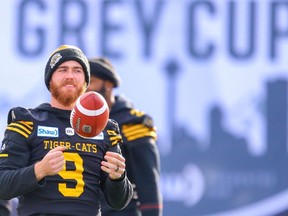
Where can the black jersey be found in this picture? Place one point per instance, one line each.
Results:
(30, 134)
(142, 159)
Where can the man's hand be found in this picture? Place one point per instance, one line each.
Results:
(51, 164)
(114, 166)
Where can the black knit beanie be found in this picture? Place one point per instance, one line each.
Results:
(66, 53)
(102, 68)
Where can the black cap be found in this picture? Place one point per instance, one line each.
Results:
(66, 53)
(103, 69)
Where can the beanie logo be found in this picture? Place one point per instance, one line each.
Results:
(55, 58)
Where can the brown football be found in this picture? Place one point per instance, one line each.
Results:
(90, 115)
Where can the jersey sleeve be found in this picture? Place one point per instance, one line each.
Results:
(114, 135)
(145, 170)
(16, 174)
(117, 193)
(137, 128)
(143, 159)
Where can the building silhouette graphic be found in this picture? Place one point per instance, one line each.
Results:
(231, 175)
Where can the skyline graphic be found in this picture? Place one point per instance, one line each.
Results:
(231, 175)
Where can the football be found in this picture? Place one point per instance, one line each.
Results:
(90, 115)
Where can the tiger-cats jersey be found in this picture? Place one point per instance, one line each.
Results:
(142, 160)
(30, 134)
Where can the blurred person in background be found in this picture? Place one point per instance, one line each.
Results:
(139, 143)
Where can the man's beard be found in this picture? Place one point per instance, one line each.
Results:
(66, 98)
(103, 91)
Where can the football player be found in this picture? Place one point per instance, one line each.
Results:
(47, 165)
(139, 143)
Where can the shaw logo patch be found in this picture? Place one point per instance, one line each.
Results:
(69, 131)
(44, 131)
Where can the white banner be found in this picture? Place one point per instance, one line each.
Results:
(208, 72)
